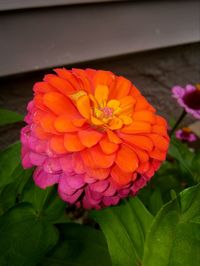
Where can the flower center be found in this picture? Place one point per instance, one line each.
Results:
(186, 130)
(192, 99)
(107, 111)
(102, 112)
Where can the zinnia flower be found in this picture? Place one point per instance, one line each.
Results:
(188, 98)
(186, 134)
(94, 134)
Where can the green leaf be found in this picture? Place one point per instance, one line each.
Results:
(125, 227)
(80, 246)
(195, 166)
(155, 201)
(46, 202)
(9, 117)
(24, 238)
(183, 155)
(10, 194)
(9, 162)
(174, 237)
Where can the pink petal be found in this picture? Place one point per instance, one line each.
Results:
(178, 92)
(124, 192)
(110, 191)
(64, 187)
(93, 197)
(75, 181)
(99, 186)
(52, 165)
(108, 201)
(43, 179)
(89, 179)
(36, 158)
(66, 163)
(70, 198)
(26, 162)
(77, 163)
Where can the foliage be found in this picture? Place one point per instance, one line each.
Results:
(159, 227)
(9, 117)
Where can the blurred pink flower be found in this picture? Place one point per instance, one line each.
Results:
(188, 98)
(186, 134)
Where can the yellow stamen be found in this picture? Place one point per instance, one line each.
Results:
(98, 113)
(77, 95)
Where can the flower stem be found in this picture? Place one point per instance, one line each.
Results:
(178, 122)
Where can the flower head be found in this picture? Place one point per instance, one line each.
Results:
(188, 98)
(94, 134)
(186, 134)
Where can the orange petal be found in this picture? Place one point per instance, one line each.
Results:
(47, 123)
(95, 158)
(142, 142)
(161, 121)
(120, 177)
(83, 80)
(83, 106)
(141, 154)
(120, 88)
(141, 103)
(150, 172)
(143, 167)
(127, 159)
(137, 127)
(126, 105)
(159, 141)
(90, 73)
(103, 77)
(113, 137)
(107, 146)
(134, 91)
(89, 137)
(39, 132)
(72, 142)
(58, 103)
(63, 124)
(95, 121)
(38, 115)
(156, 164)
(151, 108)
(127, 120)
(78, 122)
(158, 154)
(160, 130)
(62, 85)
(38, 101)
(42, 87)
(101, 94)
(145, 116)
(57, 144)
(115, 123)
(68, 75)
(100, 174)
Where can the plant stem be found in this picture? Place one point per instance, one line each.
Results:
(178, 122)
